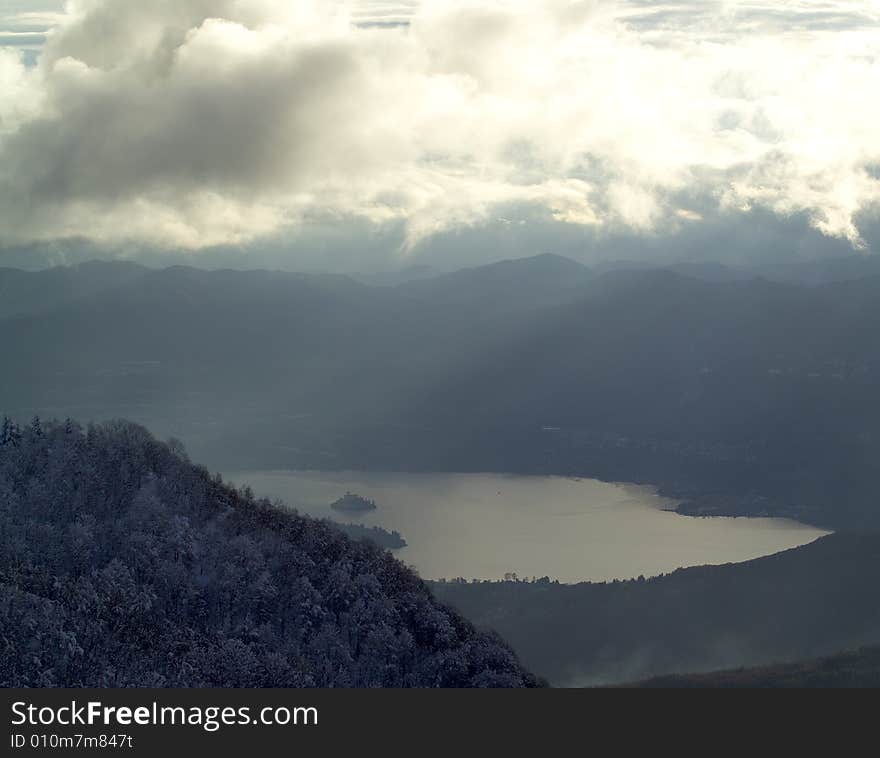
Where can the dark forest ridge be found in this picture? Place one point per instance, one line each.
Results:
(737, 395)
(122, 564)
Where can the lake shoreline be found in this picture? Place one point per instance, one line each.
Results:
(694, 502)
(574, 529)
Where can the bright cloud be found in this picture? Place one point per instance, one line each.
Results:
(199, 122)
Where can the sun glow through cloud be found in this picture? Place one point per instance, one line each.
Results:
(194, 123)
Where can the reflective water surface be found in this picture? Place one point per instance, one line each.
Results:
(488, 525)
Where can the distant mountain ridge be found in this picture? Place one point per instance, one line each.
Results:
(736, 395)
(25, 293)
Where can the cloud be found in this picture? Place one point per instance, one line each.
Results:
(29, 39)
(192, 123)
(30, 16)
(24, 23)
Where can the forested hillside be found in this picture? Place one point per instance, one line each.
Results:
(122, 564)
(812, 601)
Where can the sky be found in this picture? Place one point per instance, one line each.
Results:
(356, 135)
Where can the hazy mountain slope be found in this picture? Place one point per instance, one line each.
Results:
(823, 271)
(808, 273)
(508, 285)
(122, 564)
(803, 603)
(30, 292)
(182, 335)
(859, 668)
(747, 387)
(742, 396)
(322, 346)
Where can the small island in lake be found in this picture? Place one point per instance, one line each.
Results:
(376, 534)
(351, 503)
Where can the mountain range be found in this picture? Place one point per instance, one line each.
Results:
(736, 394)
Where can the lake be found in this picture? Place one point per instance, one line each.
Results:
(487, 525)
